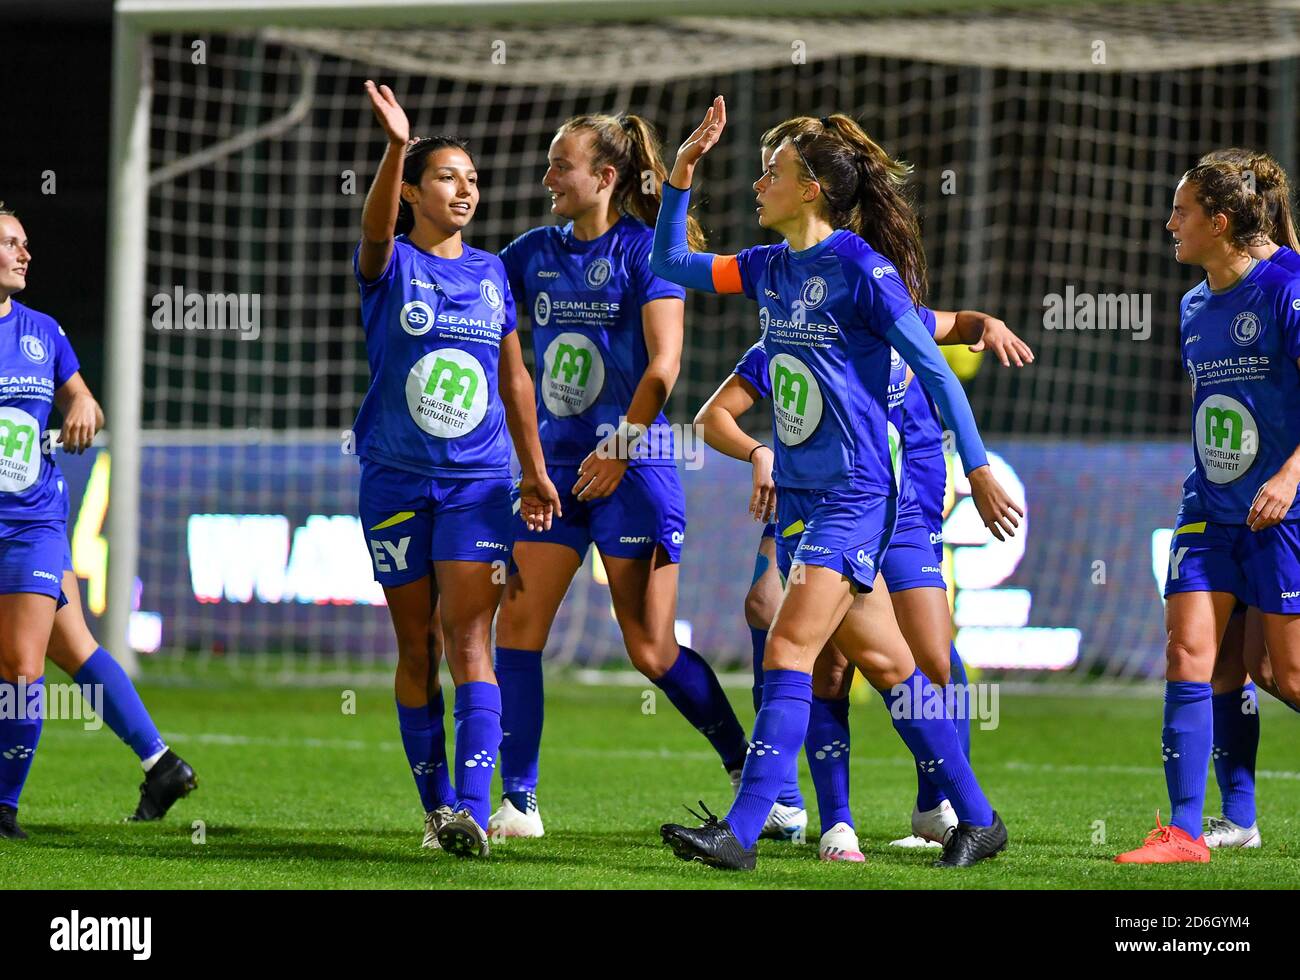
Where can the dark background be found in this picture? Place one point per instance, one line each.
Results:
(58, 59)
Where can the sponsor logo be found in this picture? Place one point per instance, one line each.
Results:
(768, 292)
(491, 544)
(1191, 340)
(20, 455)
(1245, 329)
(678, 537)
(573, 374)
(936, 537)
(490, 293)
(819, 549)
(41, 573)
(796, 399)
(881, 271)
(1289, 595)
(33, 349)
(1227, 438)
(895, 359)
(598, 273)
(629, 540)
(542, 309)
(381, 551)
(895, 452)
(547, 274)
(813, 293)
(416, 318)
(935, 569)
(865, 558)
(446, 393)
(421, 284)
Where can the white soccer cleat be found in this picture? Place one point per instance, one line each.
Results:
(432, 821)
(1222, 832)
(510, 821)
(785, 823)
(840, 843)
(461, 835)
(929, 828)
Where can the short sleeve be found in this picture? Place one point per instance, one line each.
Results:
(65, 358)
(750, 262)
(646, 285)
(1287, 313)
(928, 318)
(385, 277)
(514, 258)
(752, 367)
(878, 291)
(510, 322)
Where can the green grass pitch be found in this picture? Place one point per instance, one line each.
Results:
(294, 793)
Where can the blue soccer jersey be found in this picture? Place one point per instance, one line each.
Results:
(36, 360)
(825, 312)
(1287, 259)
(585, 300)
(1240, 349)
(433, 338)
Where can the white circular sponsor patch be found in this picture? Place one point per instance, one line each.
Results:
(573, 374)
(598, 273)
(417, 318)
(542, 309)
(20, 450)
(1227, 438)
(34, 349)
(1245, 329)
(895, 453)
(447, 393)
(796, 399)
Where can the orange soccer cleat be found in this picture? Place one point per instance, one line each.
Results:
(1168, 845)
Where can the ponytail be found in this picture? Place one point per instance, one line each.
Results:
(1271, 183)
(629, 144)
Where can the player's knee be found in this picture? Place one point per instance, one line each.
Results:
(1287, 686)
(25, 661)
(653, 660)
(1184, 661)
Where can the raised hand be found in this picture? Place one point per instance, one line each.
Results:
(700, 141)
(390, 115)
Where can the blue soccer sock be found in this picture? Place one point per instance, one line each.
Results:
(957, 675)
(934, 745)
(779, 729)
(519, 672)
(791, 794)
(119, 703)
(693, 688)
(440, 783)
(478, 741)
(1185, 743)
(1236, 743)
(827, 748)
(426, 752)
(22, 714)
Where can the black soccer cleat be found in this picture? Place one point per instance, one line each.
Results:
(713, 844)
(170, 778)
(9, 828)
(967, 843)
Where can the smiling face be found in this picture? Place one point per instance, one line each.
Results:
(780, 192)
(1196, 234)
(14, 257)
(575, 189)
(447, 196)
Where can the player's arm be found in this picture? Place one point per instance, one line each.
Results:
(718, 421)
(671, 256)
(910, 337)
(539, 500)
(1274, 499)
(380, 212)
(662, 322)
(981, 331)
(82, 416)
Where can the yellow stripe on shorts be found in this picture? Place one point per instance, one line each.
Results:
(794, 528)
(1197, 528)
(405, 515)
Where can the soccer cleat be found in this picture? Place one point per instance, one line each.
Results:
(164, 784)
(929, 827)
(510, 821)
(734, 776)
(432, 821)
(840, 843)
(785, 823)
(1167, 845)
(461, 835)
(1222, 832)
(713, 844)
(9, 828)
(967, 843)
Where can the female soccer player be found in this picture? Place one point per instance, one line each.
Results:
(918, 593)
(1237, 535)
(1242, 655)
(831, 307)
(38, 369)
(607, 335)
(447, 379)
